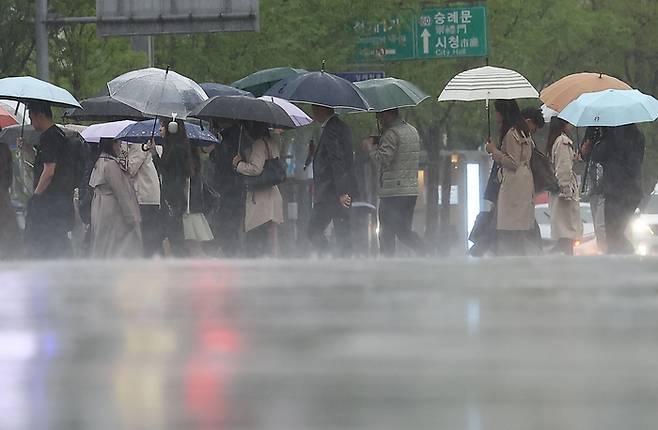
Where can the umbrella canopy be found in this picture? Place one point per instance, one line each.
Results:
(611, 108)
(391, 93)
(17, 110)
(103, 108)
(243, 108)
(28, 89)
(213, 89)
(157, 92)
(141, 132)
(320, 88)
(94, 133)
(259, 82)
(6, 118)
(297, 115)
(559, 94)
(488, 83)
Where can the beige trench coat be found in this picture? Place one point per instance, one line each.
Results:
(266, 205)
(115, 217)
(566, 222)
(515, 206)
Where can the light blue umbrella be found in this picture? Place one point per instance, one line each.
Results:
(611, 108)
(28, 89)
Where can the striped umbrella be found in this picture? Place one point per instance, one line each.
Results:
(488, 83)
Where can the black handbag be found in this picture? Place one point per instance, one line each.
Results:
(542, 172)
(273, 174)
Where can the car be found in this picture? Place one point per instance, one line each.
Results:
(644, 225)
(585, 246)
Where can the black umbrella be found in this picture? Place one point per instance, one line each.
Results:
(320, 88)
(243, 108)
(103, 108)
(213, 89)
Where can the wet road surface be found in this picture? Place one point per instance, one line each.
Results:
(285, 345)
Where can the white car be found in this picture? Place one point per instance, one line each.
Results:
(543, 217)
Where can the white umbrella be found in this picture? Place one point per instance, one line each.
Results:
(157, 92)
(488, 83)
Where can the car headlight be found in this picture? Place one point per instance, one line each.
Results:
(640, 227)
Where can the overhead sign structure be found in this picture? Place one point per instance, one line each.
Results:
(436, 33)
(361, 76)
(151, 17)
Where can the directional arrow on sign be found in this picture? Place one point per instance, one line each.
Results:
(426, 41)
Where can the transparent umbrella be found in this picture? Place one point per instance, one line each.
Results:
(157, 92)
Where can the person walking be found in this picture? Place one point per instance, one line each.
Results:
(10, 247)
(263, 207)
(593, 183)
(115, 216)
(333, 180)
(195, 225)
(147, 188)
(398, 158)
(515, 211)
(175, 168)
(226, 221)
(50, 213)
(621, 153)
(566, 222)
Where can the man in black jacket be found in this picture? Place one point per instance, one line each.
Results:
(333, 180)
(621, 153)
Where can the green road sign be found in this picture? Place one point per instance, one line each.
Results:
(392, 40)
(436, 33)
(452, 32)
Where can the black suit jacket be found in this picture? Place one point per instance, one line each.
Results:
(333, 165)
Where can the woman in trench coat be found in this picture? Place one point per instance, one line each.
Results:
(566, 222)
(515, 209)
(263, 207)
(115, 216)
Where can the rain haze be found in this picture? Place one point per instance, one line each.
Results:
(275, 215)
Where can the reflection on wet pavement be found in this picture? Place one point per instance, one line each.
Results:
(399, 344)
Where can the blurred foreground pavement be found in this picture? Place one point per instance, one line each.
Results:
(299, 345)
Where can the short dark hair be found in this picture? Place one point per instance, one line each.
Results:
(535, 115)
(40, 108)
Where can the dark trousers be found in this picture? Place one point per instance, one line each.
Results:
(396, 215)
(618, 211)
(227, 222)
(48, 221)
(152, 234)
(322, 215)
(258, 241)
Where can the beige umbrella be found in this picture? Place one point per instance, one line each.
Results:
(559, 94)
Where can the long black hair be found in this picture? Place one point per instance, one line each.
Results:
(512, 117)
(180, 140)
(556, 128)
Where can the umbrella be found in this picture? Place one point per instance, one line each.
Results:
(611, 108)
(320, 88)
(28, 89)
(157, 92)
(17, 110)
(141, 132)
(6, 118)
(213, 90)
(259, 82)
(243, 108)
(391, 93)
(94, 133)
(488, 83)
(103, 108)
(297, 115)
(559, 94)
